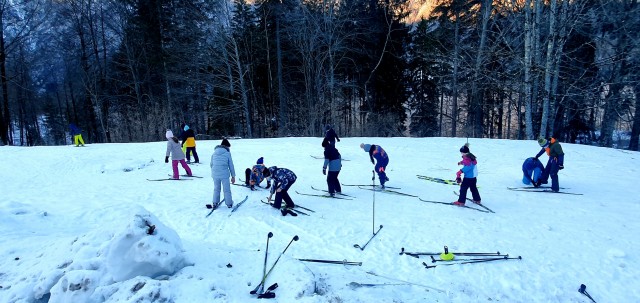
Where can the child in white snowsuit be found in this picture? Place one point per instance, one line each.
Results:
(221, 168)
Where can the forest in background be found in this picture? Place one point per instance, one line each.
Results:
(126, 70)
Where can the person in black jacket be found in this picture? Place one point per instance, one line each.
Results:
(189, 140)
(330, 135)
(333, 161)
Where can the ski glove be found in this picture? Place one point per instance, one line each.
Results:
(166, 159)
(560, 167)
(324, 171)
(458, 180)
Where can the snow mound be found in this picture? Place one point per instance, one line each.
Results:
(145, 249)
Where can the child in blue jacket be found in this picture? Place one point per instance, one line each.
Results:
(382, 160)
(470, 171)
(531, 169)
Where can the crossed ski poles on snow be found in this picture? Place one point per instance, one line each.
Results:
(448, 257)
(259, 290)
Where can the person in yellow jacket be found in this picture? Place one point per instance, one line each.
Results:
(189, 141)
(77, 135)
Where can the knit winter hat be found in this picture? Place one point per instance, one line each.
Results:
(169, 134)
(226, 143)
(542, 142)
(366, 147)
(186, 127)
(465, 148)
(327, 127)
(260, 161)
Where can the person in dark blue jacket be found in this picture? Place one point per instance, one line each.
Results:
(333, 161)
(76, 133)
(330, 135)
(531, 169)
(382, 160)
(283, 179)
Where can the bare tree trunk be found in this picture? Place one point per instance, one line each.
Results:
(476, 93)
(5, 116)
(549, 68)
(528, 52)
(454, 81)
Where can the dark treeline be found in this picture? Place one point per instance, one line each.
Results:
(126, 70)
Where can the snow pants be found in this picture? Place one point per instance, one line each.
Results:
(174, 166)
(226, 186)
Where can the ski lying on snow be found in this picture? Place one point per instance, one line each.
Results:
(322, 158)
(536, 190)
(249, 187)
(533, 187)
(388, 191)
(167, 179)
(438, 180)
(235, 207)
(451, 204)
(376, 186)
(326, 191)
(213, 207)
(479, 204)
(187, 176)
(322, 196)
(297, 211)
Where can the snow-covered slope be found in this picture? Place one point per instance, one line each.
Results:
(73, 225)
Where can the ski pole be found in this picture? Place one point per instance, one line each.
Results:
(295, 238)
(373, 185)
(433, 260)
(407, 282)
(583, 290)
(416, 254)
(264, 267)
(345, 262)
(477, 261)
(354, 285)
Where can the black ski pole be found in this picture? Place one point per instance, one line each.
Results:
(433, 260)
(373, 186)
(264, 278)
(345, 262)
(583, 290)
(477, 261)
(417, 254)
(373, 227)
(264, 267)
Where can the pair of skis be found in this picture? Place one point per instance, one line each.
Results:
(213, 207)
(542, 190)
(479, 204)
(259, 290)
(344, 197)
(172, 179)
(295, 210)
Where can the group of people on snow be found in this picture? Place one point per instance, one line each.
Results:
(282, 179)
